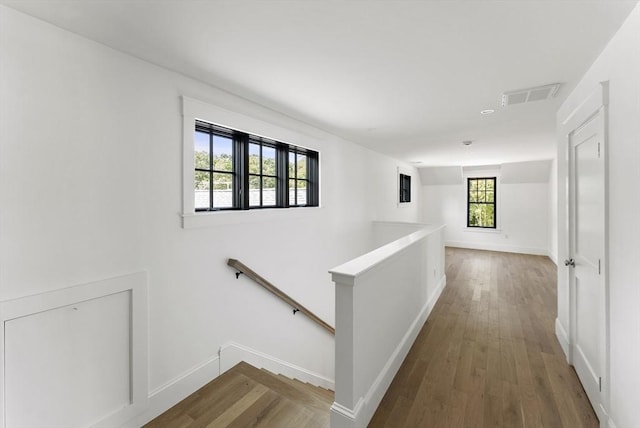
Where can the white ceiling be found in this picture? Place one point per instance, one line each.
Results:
(405, 78)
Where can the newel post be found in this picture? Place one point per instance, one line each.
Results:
(345, 407)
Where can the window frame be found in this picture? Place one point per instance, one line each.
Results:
(404, 188)
(241, 170)
(494, 178)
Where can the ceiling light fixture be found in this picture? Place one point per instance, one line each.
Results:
(487, 111)
(467, 142)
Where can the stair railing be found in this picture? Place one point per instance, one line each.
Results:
(241, 268)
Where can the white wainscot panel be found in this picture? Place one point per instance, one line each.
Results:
(76, 357)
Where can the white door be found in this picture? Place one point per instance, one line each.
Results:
(587, 254)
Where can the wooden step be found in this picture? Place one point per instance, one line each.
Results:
(268, 379)
(247, 396)
(321, 393)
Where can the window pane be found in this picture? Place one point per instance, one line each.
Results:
(222, 153)
(292, 192)
(475, 215)
(292, 165)
(473, 195)
(489, 197)
(254, 191)
(481, 185)
(254, 158)
(473, 185)
(490, 185)
(202, 190)
(268, 191)
(302, 192)
(201, 180)
(480, 197)
(489, 209)
(201, 150)
(222, 190)
(302, 166)
(268, 160)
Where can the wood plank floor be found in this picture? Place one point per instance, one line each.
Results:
(488, 355)
(249, 397)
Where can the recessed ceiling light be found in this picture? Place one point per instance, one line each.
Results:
(487, 111)
(467, 142)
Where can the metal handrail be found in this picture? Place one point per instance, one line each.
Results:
(241, 268)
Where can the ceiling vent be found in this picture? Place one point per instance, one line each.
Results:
(538, 93)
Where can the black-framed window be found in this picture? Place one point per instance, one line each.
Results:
(481, 202)
(239, 171)
(405, 188)
(298, 174)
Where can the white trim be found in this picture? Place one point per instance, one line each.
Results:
(610, 423)
(563, 339)
(497, 247)
(343, 417)
(366, 406)
(481, 229)
(232, 353)
(596, 103)
(193, 109)
(136, 284)
(209, 219)
(176, 390)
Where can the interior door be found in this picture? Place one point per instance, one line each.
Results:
(587, 254)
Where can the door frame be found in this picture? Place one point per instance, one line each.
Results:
(597, 101)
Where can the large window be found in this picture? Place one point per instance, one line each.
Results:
(481, 202)
(238, 171)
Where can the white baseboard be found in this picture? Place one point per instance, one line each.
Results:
(366, 407)
(168, 395)
(232, 353)
(497, 247)
(563, 338)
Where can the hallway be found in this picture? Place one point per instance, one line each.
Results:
(488, 355)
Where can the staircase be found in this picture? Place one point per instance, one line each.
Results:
(247, 396)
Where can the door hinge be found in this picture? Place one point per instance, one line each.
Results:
(600, 384)
(598, 149)
(599, 268)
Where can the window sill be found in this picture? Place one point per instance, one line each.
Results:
(218, 218)
(481, 230)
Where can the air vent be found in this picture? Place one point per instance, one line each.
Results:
(538, 93)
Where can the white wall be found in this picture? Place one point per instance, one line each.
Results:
(90, 187)
(522, 216)
(619, 64)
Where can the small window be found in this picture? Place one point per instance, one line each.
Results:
(481, 202)
(405, 188)
(238, 171)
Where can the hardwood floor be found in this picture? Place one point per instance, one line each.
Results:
(488, 355)
(248, 397)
